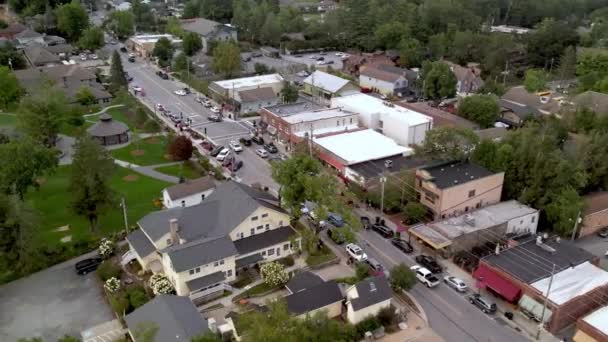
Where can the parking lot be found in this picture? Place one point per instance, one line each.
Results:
(310, 59)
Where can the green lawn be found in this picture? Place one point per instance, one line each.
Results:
(325, 255)
(255, 291)
(53, 198)
(184, 169)
(149, 151)
(128, 114)
(8, 120)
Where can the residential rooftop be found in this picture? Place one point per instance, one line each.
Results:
(370, 105)
(316, 115)
(254, 81)
(440, 117)
(293, 108)
(370, 291)
(313, 298)
(455, 173)
(302, 281)
(190, 187)
(325, 81)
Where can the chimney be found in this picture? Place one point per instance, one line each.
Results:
(173, 229)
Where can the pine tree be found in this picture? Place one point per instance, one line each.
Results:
(118, 79)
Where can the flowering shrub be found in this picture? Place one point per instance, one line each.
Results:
(106, 248)
(160, 284)
(112, 285)
(274, 274)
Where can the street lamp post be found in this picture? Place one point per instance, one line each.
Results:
(382, 181)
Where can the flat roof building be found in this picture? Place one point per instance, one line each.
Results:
(249, 94)
(144, 44)
(593, 327)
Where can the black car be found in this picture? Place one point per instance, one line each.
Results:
(271, 148)
(245, 141)
(482, 303)
(258, 140)
(132, 59)
(123, 49)
(365, 222)
(383, 230)
(429, 262)
(320, 58)
(162, 75)
(603, 233)
(187, 90)
(216, 150)
(402, 245)
(87, 265)
(237, 166)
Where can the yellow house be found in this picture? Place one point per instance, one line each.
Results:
(200, 248)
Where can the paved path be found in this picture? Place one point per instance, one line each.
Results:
(104, 110)
(149, 171)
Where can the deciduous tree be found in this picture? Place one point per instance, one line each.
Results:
(85, 96)
(402, 278)
(92, 38)
(482, 109)
(72, 19)
(289, 93)
(180, 148)
(122, 23)
(191, 43)
(10, 91)
(535, 80)
(410, 52)
(226, 58)
(414, 212)
(41, 114)
(163, 50)
(274, 273)
(439, 81)
(448, 143)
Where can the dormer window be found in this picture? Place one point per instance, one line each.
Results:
(254, 218)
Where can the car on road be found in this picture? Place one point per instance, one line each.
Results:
(83, 56)
(187, 90)
(320, 58)
(87, 265)
(123, 49)
(223, 154)
(603, 233)
(180, 92)
(162, 75)
(227, 161)
(365, 222)
(207, 103)
(429, 262)
(425, 276)
(356, 252)
(215, 110)
(402, 245)
(482, 303)
(312, 57)
(235, 166)
(257, 139)
(271, 148)
(262, 152)
(245, 141)
(235, 146)
(321, 62)
(216, 150)
(159, 107)
(215, 118)
(200, 99)
(93, 56)
(383, 230)
(113, 42)
(335, 219)
(455, 283)
(131, 59)
(336, 235)
(137, 88)
(375, 268)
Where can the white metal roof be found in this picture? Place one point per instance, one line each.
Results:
(573, 282)
(321, 131)
(361, 146)
(150, 38)
(325, 81)
(368, 105)
(250, 81)
(317, 115)
(598, 319)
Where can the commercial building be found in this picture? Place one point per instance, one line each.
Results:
(453, 188)
(209, 31)
(295, 121)
(593, 327)
(595, 214)
(405, 126)
(323, 86)
(385, 79)
(489, 224)
(355, 147)
(144, 44)
(249, 94)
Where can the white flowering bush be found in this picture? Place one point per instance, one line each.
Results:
(112, 284)
(106, 248)
(274, 274)
(160, 284)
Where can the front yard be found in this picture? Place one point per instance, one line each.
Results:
(185, 169)
(321, 256)
(148, 151)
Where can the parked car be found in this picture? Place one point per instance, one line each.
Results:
(603, 233)
(237, 166)
(83, 56)
(223, 154)
(162, 75)
(365, 222)
(320, 58)
(200, 99)
(180, 92)
(123, 49)
(385, 231)
(375, 268)
(455, 283)
(336, 235)
(87, 265)
(425, 276)
(187, 90)
(235, 146)
(482, 303)
(271, 148)
(215, 110)
(429, 262)
(257, 139)
(159, 107)
(356, 252)
(262, 152)
(206, 103)
(216, 150)
(335, 219)
(215, 118)
(137, 88)
(207, 145)
(245, 141)
(93, 56)
(402, 245)
(227, 161)
(131, 59)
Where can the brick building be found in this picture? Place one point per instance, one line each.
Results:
(595, 214)
(593, 327)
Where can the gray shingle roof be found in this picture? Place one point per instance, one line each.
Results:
(257, 94)
(314, 298)
(190, 187)
(200, 252)
(38, 55)
(248, 260)
(262, 240)
(140, 242)
(106, 127)
(175, 317)
(302, 281)
(210, 279)
(385, 73)
(371, 291)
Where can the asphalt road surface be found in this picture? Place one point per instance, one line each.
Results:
(449, 313)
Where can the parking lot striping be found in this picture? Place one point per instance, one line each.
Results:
(229, 136)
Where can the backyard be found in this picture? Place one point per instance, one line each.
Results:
(147, 151)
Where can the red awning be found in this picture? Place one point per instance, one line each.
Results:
(326, 157)
(488, 278)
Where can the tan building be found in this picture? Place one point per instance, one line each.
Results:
(144, 44)
(593, 327)
(595, 214)
(453, 188)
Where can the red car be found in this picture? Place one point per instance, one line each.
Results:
(366, 90)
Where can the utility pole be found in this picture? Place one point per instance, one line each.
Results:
(310, 141)
(382, 181)
(576, 222)
(542, 314)
(123, 204)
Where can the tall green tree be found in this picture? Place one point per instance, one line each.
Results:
(72, 19)
(391, 34)
(92, 38)
(227, 58)
(92, 168)
(191, 43)
(122, 23)
(482, 109)
(535, 80)
(10, 57)
(547, 42)
(567, 64)
(593, 156)
(10, 91)
(563, 210)
(402, 278)
(182, 63)
(41, 114)
(289, 93)
(142, 14)
(163, 50)
(410, 52)
(439, 81)
(448, 143)
(270, 33)
(118, 80)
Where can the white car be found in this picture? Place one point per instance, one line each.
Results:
(160, 107)
(339, 54)
(93, 56)
(455, 283)
(180, 92)
(207, 103)
(223, 154)
(215, 109)
(262, 152)
(235, 146)
(321, 62)
(356, 252)
(313, 57)
(137, 88)
(425, 276)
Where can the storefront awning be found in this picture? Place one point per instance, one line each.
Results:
(534, 308)
(488, 278)
(429, 235)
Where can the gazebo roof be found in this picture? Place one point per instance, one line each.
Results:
(107, 127)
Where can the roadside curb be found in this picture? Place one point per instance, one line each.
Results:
(420, 311)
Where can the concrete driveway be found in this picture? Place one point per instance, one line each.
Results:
(52, 303)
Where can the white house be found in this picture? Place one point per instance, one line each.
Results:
(209, 31)
(384, 79)
(405, 126)
(323, 86)
(366, 298)
(188, 193)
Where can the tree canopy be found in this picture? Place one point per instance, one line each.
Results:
(163, 50)
(11, 90)
(42, 112)
(482, 109)
(118, 80)
(92, 38)
(191, 43)
(439, 81)
(227, 58)
(72, 19)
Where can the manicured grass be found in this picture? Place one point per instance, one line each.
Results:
(149, 151)
(8, 120)
(184, 169)
(323, 256)
(52, 203)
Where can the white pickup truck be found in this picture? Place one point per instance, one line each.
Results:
(425, 276)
